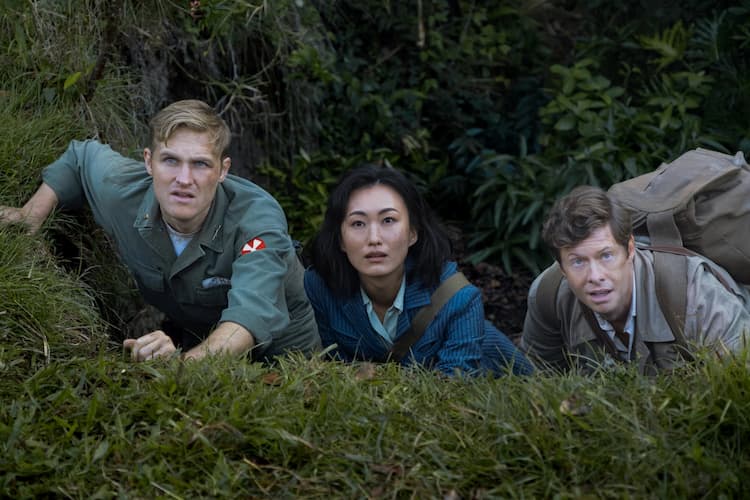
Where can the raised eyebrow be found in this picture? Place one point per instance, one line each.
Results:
(574, 256)
(363, 213)
(167, 153)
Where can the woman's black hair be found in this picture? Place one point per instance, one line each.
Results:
(431, 250)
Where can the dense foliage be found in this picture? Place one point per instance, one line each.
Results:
(635, 91)
(494, 109)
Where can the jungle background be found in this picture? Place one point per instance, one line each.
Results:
(493, 108)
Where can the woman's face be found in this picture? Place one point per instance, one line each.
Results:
(376, 233)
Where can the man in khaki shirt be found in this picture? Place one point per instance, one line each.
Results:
(603, 306)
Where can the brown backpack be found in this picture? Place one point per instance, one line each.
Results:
(700, 201)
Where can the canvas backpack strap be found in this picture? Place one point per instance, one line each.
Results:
(424, 316)
(712, 266)
(546, 295)
(670, 276)
(662, 228)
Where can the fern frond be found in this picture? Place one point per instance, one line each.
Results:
(670, 44)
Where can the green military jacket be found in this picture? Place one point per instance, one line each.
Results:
(212, 280)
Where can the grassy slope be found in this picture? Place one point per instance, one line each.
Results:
(101, 426)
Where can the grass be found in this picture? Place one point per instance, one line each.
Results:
(100, 426)
(40, 304)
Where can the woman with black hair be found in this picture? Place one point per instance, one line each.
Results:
(379, 256)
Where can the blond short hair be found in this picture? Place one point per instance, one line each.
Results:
(195, 115)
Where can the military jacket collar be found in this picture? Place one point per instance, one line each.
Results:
(150, 226)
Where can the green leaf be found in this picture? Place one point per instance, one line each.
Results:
(531, 211)
(101, 451)
(567, 122)
(72, 80)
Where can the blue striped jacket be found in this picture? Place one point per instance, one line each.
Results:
(458, 338)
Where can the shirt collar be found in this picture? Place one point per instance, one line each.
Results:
(211, 232)
(388, 327)
(629, 324)
(398, 302)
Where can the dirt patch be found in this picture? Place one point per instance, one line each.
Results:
(504, 294)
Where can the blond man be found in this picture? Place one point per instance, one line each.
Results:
(208, 249)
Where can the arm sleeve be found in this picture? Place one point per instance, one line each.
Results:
(461, 350)
(91, 173)
(320, 297)
(717, 317)
(257, 297)
(542, 342)
(78, 170)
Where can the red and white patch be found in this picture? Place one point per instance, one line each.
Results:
(253, 246)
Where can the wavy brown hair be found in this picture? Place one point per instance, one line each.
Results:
(585, 209)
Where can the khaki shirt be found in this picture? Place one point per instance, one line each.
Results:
(716, 318)
(210, 282)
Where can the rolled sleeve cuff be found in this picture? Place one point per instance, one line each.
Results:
(65, 183)
(259, 326)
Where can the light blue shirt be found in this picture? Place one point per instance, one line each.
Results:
(179, 240)
(386, 329)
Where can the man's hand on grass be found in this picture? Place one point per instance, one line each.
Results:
(156, 344)
(34, 212)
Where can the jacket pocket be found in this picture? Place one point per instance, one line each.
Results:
(212, 297)
(149, 279)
